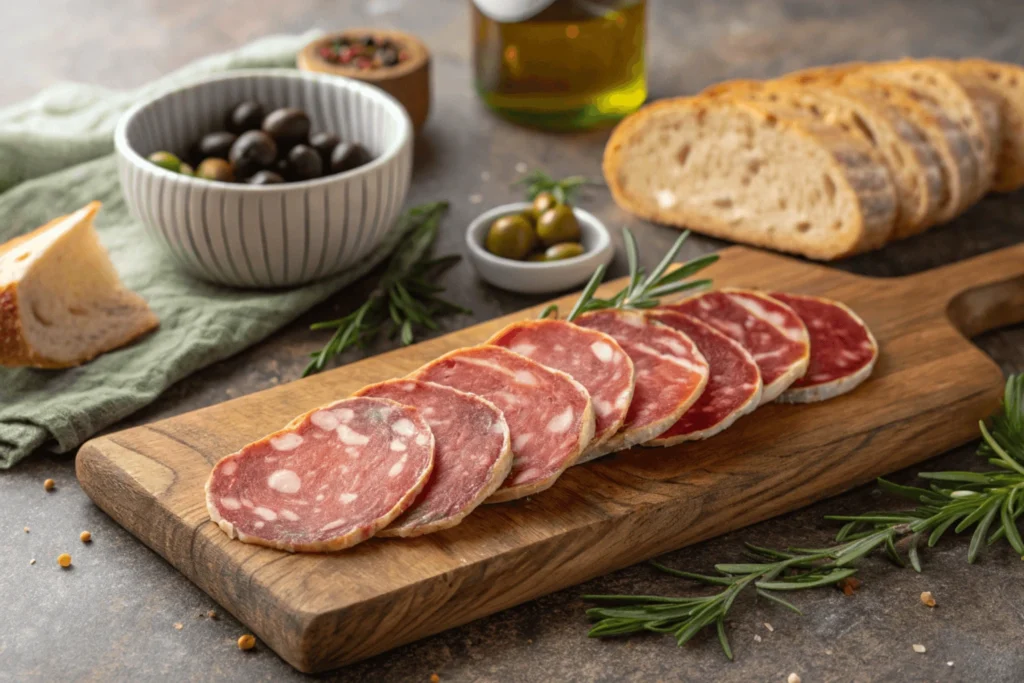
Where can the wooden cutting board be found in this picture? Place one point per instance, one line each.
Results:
(928, 391)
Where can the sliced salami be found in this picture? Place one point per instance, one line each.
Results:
(329, 480)
(592, 358)
(670, 375)
(843, 350)
(549, 414)
(472, 453)
(734, 384)
(772, 333)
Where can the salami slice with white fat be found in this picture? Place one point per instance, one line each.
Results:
(670, 375)
(843, 350)
(592, 358)
(771, 331)
(549, 414)
(733, 389)
(472, 453)
(329, 480)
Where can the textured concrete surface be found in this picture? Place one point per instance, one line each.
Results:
(113, 616)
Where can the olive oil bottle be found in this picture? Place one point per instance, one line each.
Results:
(560, 64)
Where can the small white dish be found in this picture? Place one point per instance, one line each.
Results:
(531, 277)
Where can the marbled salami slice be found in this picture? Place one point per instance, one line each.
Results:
(549, 414)
(843, 350)
(734, 385)
(772, 333)
(592, 358)
(670, 375)
(472, 453)
(329, 480)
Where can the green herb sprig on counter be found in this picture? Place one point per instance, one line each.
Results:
(642, 291)
(406, 298)
(990, 503)
(565, 190)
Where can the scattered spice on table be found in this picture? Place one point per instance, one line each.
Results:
(757, 638)
(49, 484)
(920, 649)
(85, 537)
(212, 614)
(64, 560)
(521, 167)
(32, 561)
(26, 530)
(246, 642)
(434, 678)
(771, 629)
(793, 678)
(476, 198)
(849, 585)
(927, 599)
(178, 626)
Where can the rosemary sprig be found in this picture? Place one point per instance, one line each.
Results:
(642, 291)
(406, 298)
(564, 190)
(989, 502)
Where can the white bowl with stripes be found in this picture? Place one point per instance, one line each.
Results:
(267, 236)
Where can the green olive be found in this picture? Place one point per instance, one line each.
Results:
(542, 202)
(558, 224)
(537, 257)
(185, 169)
(510, 237)
(166, 160)
(216, 169)
(559, 252)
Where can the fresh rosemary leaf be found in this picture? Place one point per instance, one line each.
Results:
(775, 598)
(548, 310)
(588, 291)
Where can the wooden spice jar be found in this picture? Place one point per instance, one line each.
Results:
(408, 81)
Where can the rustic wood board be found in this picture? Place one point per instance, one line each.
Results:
(929, 389)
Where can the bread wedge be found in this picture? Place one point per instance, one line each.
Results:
(911, 161)
(1002, 84)
(61, 301)
(730, 169)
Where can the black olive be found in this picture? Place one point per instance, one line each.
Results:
(324, 143)
(253, 151)
(304, 163)
(366, 41)
(288, 126)
(245, 116)
(215, 145)
(387, 57)
(348, 155)
(265, 178)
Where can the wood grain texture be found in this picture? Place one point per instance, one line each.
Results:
(930, 388)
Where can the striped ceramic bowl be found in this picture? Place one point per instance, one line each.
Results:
(270, 235)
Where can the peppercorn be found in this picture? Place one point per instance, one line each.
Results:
(246, 642)
(64, 560)
(85, 537)
(49, 484)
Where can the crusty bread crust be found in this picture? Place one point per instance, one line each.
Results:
(15, 350)
(338, 543)
(853, 162)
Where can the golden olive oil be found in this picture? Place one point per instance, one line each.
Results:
(575, 64)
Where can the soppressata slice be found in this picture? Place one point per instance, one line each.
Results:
(733, 389)
(592, 358)
(472, 453)
(330, 479)
(549, 414)
(771, 331)
(670, 375)
(843, 350)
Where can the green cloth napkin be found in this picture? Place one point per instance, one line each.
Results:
(70, 128)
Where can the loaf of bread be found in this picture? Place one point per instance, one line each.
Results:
(911, 142)
(731, 169)
(61, 301)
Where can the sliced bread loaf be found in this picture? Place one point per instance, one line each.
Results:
(731, 169)
(1001, 84)
(61, 301)
(911, 161)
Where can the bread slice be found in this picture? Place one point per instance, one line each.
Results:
(949, 141)
(730, 169)
(61, 301)
(1002, 84)
(946, 98)
(911, 161)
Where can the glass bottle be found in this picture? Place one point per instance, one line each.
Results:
(560, 64)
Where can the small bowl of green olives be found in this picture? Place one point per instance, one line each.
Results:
(538, 247)
(266, 178)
